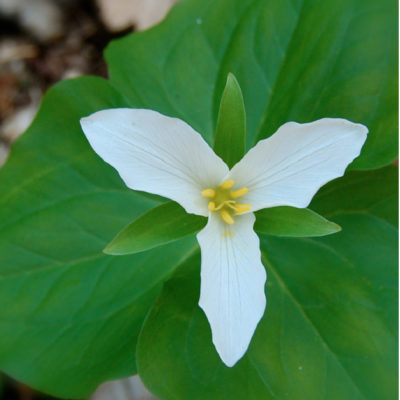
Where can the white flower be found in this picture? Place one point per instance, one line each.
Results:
(165, 156)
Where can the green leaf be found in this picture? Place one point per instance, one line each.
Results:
(163, 224)
(333, 199)
(290, 221)
(71, 315)
(295, 60)
(170, 222)
(329, 329)
(230, 134)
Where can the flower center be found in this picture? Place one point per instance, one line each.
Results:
(223, 200)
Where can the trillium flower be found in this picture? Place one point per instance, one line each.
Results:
(165, 156)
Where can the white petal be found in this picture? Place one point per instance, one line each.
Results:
(156, 154)
(289, 167)
(232, 283)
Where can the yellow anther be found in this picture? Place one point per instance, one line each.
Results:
(211, 206)
(228, 184)
(227, 217)
(208, 193)
(241, 208)
(222, 199)
(239, 193)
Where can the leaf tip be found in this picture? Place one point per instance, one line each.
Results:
(335, 227)
(109, 249)
(231, 78)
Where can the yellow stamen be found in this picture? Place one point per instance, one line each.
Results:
(228, 184)
(241, 208)
(223, 200)
(227, 217)
(208, 193)
(239, 193)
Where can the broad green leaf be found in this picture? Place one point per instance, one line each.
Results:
(329, 330)
(70, 315)
(333, 198)
(290, 221)
(295, 60)
(163, 224)
(230, 135)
